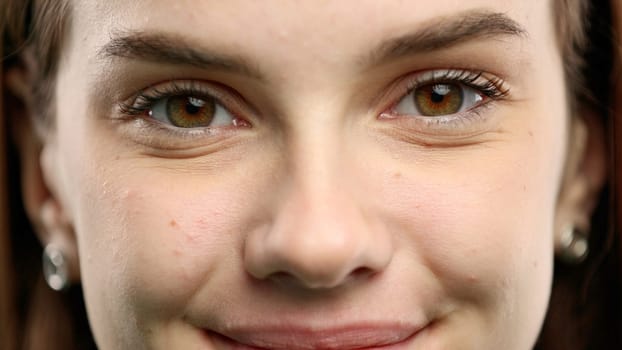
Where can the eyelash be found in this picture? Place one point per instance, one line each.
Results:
(492, 88)
(144, 101)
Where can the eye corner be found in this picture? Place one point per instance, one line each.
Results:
(130, 109)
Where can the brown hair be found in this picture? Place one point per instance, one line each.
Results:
(585, 309)
(32, 316)
(576, 318)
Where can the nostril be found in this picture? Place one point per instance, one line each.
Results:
(362, 272)
(282, 278)
(288, 279)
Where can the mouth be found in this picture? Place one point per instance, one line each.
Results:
(354, 337)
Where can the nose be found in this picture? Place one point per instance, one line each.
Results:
(320, 236)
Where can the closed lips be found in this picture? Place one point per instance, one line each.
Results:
(301, 338)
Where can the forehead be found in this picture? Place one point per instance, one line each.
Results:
(295, 15)
(317, 28)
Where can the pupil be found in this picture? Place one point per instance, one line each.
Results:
(436, 97)
(439, 92)
(194, 105)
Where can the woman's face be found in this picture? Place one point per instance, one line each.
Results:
(311, 175)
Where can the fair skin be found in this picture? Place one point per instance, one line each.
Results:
(319, 209)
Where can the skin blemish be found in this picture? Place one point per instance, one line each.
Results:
(177, 252)
(126, 194)
(397, 175)
(173, 223)
(191, 238)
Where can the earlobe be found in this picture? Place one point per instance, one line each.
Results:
(54, 228)
(58, 238)
(38, 184)
(584, 178)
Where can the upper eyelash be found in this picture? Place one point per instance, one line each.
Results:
(493, 87)
(146, 98)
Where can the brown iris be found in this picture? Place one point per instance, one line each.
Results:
(190, 112)
(439, 99)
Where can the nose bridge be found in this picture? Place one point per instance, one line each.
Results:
(320, 236)
(315, 160)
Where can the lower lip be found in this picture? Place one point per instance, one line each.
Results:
(223, 342)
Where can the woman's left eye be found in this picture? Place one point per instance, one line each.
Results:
(187, 111)
(438, 99)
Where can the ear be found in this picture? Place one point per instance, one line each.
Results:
(37, 153)
(584, 176)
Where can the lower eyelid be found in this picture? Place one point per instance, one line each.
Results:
(161, 137)
(470, 122)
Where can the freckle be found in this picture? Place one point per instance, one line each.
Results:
(530, 133)
(117, 157)
(397, 175)
(173, 223)
(126, 194)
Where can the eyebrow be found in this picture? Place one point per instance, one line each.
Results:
(434, 35)
(446, 32)
(172, 49)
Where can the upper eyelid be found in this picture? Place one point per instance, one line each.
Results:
(223, 95)
(180, 87)
(463, 76)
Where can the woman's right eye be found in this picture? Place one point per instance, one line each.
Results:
(187, 111)
(187, 105)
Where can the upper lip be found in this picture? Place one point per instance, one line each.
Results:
(347, 337)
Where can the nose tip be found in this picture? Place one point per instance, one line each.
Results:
(317, 247)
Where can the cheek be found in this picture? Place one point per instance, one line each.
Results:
(151, 237)
(475, 228)
(480, 219)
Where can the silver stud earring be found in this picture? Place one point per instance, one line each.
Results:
(55, 269)
(573, 245)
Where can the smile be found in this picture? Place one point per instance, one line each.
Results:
(355, 337)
